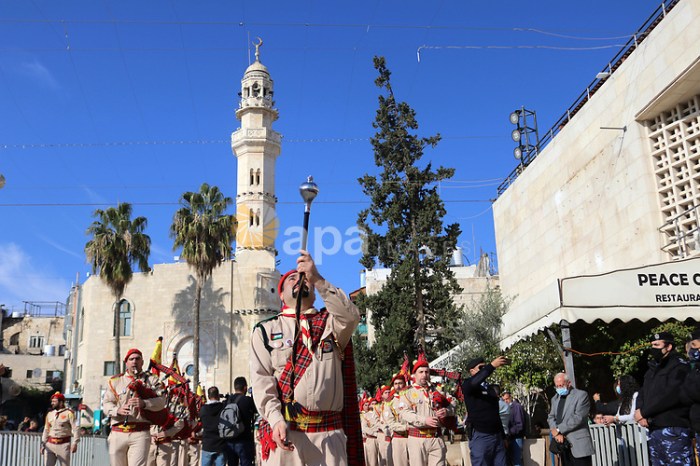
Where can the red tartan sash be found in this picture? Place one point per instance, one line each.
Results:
(317, 421)
(422, 433)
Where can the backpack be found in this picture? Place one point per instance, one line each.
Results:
(230, 421)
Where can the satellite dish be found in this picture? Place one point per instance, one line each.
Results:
(36, 373)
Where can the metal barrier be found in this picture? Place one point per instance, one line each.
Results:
(22, 449)
(621, 445)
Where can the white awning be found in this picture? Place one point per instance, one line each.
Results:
(662, 291)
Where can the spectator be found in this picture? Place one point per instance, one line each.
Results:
(486, 443)
(622, 409)
(33, 426)
(212, 445)
(568, 421)
(659, 407)
(241, 450)
(24, 425)
(3, 422)
(516, 429)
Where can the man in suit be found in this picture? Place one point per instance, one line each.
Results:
(568, 420)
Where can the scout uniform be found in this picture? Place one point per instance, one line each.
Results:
(370, 427)
(130, 439)
(59, 427)
(425, 445)
(318, 393)
(384, 436)
(399, 429)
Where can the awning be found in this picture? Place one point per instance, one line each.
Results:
(670, 290)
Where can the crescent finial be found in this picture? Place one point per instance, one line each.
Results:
(257, 49)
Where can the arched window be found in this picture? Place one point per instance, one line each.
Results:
(252, 177)
(257, 177)
(124, 319)
(257, 218)
(251, 216)
(14, 339)
(81, 324)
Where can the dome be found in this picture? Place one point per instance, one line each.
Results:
(257, 66)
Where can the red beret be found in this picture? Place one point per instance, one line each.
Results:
(284, 277)
(132, 351)
(58, 396)
(421, 362)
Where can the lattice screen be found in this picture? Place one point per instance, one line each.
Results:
(674, 137)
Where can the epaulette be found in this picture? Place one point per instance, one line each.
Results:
(263, 332)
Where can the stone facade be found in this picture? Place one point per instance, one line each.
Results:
(598, 196)
(34, 348)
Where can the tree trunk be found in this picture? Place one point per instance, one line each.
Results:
(195, 342)
(420, 312)
(118, 365)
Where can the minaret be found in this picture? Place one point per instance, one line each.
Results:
(256, 146)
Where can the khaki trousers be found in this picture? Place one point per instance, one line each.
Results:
(399, 451)
(57, 454)
(371, 452)
(189, 453)
(129, 449)
(311, 449)
(427, 451)
(163, 454)
(384, 452)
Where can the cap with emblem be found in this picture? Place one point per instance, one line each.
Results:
(58, 396)
(665, 336)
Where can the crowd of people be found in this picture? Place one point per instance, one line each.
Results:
(303, 387)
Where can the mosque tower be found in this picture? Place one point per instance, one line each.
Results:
(256, 146)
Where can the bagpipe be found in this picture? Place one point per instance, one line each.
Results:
(440, 400)
(161, 418)
(181, 402)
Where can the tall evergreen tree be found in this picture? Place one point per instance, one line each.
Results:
(415, 304)
(205, 234)
(117, 243)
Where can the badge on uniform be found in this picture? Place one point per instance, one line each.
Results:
(327, 346)
(276, 336)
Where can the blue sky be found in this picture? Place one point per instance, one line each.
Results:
(106, 102)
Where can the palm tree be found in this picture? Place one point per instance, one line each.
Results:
(205, 234)
(117, 243)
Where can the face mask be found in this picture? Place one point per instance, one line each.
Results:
(656, 354)
(617, 390)
(562, 391)
(694, 354)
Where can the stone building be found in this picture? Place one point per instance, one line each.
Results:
(33, 344)
(602, 221)
(473, 279)
(159, 303)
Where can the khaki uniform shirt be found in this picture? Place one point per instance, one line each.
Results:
(415, 405)
(118, 394)
(386, 413)
(60, 423)
(321, 386)
(371, 425)
(397, 425)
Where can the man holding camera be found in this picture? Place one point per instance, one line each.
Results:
(486, 442)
